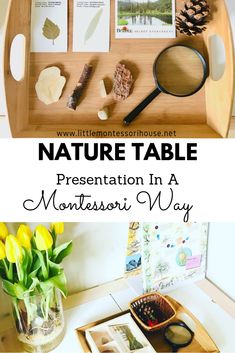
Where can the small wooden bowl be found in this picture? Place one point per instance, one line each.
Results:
(160, 303)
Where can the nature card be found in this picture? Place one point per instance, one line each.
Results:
(145, 19)
(91, 26)
(49, 26)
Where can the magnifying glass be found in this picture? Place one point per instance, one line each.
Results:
(178, 335)
(180, 71)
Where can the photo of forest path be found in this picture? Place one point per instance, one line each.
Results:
(145, 12)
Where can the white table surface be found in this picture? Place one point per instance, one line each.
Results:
(4, 124)
(219, 324)
(114, 297)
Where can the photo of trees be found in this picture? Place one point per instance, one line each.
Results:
(145, 12)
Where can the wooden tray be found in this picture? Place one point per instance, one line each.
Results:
(202, 342)
(206, 114)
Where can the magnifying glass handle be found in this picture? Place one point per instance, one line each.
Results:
(135, 112)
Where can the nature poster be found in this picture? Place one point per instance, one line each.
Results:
(172, 254)
(163, 256)
(133, 253)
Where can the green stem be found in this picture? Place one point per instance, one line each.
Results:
(14, 301)
(19, 272)
(9, 270)
(53, 234)
(47, 262)
(30, 258)
(31, 309)
(6, 268)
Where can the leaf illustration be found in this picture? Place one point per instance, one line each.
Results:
(93, 25)
(50, 30)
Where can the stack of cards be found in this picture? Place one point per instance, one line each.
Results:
(91, 26)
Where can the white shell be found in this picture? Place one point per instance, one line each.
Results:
(103, 114)
(50, 85)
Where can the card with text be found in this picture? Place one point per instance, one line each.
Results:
(91, 26)
(145, 19)
(49, 26)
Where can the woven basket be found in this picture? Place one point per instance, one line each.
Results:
(142, 307)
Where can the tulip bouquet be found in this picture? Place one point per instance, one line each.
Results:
(31, 273)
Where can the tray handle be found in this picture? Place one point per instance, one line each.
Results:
(18, 23)
(220, 93)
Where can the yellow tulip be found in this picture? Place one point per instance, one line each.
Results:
(3, 231)
(2, 251)
(13, 249)
(43, 238)
(58, 227)
(24, 236)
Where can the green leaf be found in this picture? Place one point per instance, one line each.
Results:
(53, 234)
(23, 266)
(34, 273)
(58, 281)
(34, 284)
(50, 30)
(42, 263)
(36, 263)
(16, 290)
(61, 252)
(54, 269)
(93, 25)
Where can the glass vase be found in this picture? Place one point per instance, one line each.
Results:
(39, 320)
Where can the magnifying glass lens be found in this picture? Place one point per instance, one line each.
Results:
(178, 335)
(179, 70)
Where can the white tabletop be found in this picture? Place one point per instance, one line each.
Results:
(114, 297)
(219, 324)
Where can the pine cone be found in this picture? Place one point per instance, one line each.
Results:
(192, 19)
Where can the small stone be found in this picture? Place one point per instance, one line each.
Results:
(103, 91)
(103, 114)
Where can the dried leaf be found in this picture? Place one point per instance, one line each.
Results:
(93, 25)
(50, 30)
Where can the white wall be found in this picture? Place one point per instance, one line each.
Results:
(98, 254)
(221, 256)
